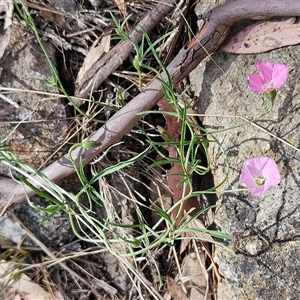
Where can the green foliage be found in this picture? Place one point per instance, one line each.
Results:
(82, 216)
(108, 233)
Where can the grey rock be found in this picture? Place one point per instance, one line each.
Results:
(53, 232)
(266, 263)
(38, 126)
(67, 6)
(11, 231)
(35, 130)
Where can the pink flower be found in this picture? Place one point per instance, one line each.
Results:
(259, 174)
(271, 77)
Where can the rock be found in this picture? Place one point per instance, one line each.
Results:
(36, 130)
(53, 232)
(265, 265)
(10, 230)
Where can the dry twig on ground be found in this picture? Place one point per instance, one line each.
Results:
(217, 23)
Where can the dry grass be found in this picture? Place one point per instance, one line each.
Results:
(126, 267)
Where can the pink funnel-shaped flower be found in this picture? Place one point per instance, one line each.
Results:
(259, 174)
(271, 77)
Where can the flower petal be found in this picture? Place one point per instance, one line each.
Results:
(265, 69)
(271, 173)
(258, 191)
(248, 175)
(280, 75)
(255, 83)
(258, 162)
(247, 181)
(271, 76)
(260, 166)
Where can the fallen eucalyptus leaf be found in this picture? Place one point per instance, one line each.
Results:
(264, 36)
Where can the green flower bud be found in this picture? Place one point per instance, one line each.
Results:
(89, 144)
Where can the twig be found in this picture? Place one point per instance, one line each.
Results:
(107, 64)
(10, 101)
(105, 286)
(216, 26)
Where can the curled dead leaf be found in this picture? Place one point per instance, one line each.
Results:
(99, 48)
(175, 290)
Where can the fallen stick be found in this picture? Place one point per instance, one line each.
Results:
(217, 23)
(107, 64)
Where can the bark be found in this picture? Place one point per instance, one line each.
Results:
(217, 24)
(107, 64)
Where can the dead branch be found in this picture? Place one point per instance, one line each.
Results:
(107, 64)
(216, 26)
